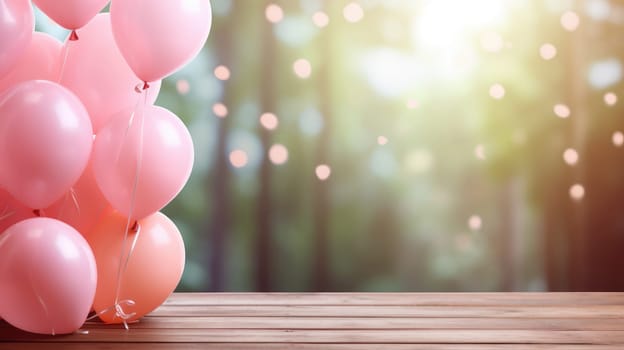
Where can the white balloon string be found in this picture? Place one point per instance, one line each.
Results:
(6, 213)
(136, 228)
(74, 197)
(65, 53)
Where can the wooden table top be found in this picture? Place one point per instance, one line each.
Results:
(340, 321)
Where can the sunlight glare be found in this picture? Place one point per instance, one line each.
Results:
(492, 42)
(445, 23)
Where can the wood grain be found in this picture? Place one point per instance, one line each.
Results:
(340, 321)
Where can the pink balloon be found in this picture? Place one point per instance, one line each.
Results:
(166, 156)
(47, 277)
(96, 72)
(12, 211)
(83, 206)
(45, 141)
(159, 37)
(41, 60)
(17, 23)
(71, 14)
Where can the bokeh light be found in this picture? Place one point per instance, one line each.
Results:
(492, 42)
(220, 110)
(570, 156)
(322, 172)
(353, 12)
(610, 98)
(577, 192)
(238, 158)
(570, 21)
(561, 110)
(475, 222)
(269, 121)
(274, 13)
(618, 139)
(222, 72)
(278, 154)
(302, 68)
(411, 104)
(183, 87)
(548, 51)
(479, 152)
(320, 19)
(497, 91)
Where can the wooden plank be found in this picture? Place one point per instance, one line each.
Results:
(434, 336)
(383, 299)
(369, 323)
(295, 346)
(597, 311)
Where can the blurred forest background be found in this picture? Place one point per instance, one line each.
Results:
(404, 145)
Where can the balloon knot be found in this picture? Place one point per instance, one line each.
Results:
(37, 212)
(135, 227)
(145, 85)
(73, 36)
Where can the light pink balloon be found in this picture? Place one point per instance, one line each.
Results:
(96, 72)
(83, 206)
(159, 37)
(47, 276)
(17, 23)
(71, 14)
(12, 211)
(41, 60)
(166, 153)
(45, 141)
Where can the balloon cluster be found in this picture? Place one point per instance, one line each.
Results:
(87, 161)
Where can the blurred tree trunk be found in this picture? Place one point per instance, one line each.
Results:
(264, 210)
(577, 95)
(511, 232)
(219, 187)
(321, 188)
